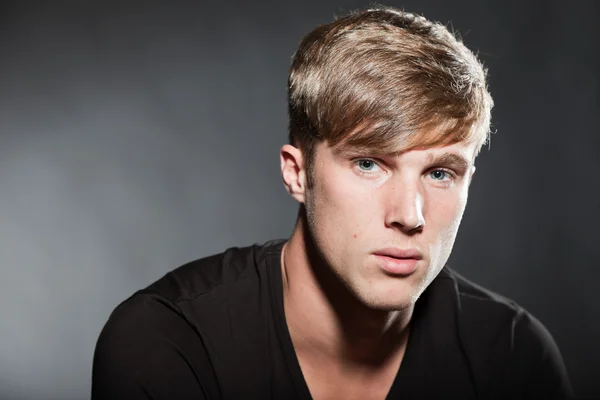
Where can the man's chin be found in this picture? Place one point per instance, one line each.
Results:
(389, 307)
(392, 294)
(396, 302)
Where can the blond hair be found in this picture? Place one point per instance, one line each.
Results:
(386, 80)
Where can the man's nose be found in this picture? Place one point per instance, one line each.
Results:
(405, 207)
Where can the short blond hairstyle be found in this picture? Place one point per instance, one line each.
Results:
(386, 80)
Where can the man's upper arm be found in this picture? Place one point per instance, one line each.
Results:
(147, 350)
(539, 362)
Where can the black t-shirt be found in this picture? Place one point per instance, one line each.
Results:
(215, 329)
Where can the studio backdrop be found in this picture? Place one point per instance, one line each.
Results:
(135, 137)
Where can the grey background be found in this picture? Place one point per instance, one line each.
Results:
(136, 138)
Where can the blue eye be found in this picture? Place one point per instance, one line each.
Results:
(439, 174)
(366, 165)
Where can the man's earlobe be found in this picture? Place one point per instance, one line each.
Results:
(292, 171)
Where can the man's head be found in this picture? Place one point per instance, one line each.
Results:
(387, 114)
(394, 80)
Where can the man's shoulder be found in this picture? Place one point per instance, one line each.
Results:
(504, 342)
(479, 298)
(195, 295)
(203, 319)
(213, 273)
(482, 309)
(487, 315)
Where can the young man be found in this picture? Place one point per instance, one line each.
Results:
(387, 114)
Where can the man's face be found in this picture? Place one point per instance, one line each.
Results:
(364, 211)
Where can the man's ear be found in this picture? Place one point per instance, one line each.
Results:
(293, 172)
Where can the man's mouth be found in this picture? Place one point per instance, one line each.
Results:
(399, 262)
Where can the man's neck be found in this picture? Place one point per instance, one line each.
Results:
(327, 322)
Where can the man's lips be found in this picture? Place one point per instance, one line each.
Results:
(397, 261)
(399, 253)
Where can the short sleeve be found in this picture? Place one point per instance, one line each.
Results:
(536, 363)
(147, 350)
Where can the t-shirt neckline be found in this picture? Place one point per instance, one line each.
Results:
(401, 387)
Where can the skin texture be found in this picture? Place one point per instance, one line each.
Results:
(344, 312)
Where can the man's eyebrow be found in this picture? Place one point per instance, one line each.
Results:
(352, 151)
(451, 159)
